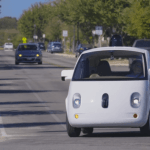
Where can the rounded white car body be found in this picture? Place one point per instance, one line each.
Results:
(109, 87)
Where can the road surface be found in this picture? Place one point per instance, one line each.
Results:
(32, 110)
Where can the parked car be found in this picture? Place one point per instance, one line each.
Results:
(28, 53)
(105, 91)
(42, 46)
(48, 47)
(142, 43)
(55, 47)
(116, 40)
(81, 48)
(8, 46)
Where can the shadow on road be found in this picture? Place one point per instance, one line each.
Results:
(21, 102)
(7, 84)
(23, 125)
(115, 134)
(17, 113)
(52, 131)
(12, 78)
(25, 91)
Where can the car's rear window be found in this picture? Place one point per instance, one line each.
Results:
(143, 43)
(41, 45)
(27, 47)
(57, 45)
(111, 65)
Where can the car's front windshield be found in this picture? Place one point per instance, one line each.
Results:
(27, 47)
(111, 65)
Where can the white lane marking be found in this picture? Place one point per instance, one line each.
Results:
(2, 129)
(51, 113)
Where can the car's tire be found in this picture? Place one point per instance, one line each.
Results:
(87, 130)
(40, 62)
(76, 55)
(72, 132)
(51, 52)
(145, 130)
(16, 63)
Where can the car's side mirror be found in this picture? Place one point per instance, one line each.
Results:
(66, 75)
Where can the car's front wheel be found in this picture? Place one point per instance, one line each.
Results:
(40, 62)
(145, 130)
(72, 132)
(87, 130)
(16, 63)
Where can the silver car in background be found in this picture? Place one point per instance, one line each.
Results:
(8, 46)
(55, 47)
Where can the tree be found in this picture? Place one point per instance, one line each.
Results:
(36, 15)
(137, 20)
(8, 23)
(106, 13)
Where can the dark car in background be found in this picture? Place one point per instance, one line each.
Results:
(28, 53)
(41, 46)
(116, 40)
(142, 43)
(55, 47)
(82, 47)
(48, 46)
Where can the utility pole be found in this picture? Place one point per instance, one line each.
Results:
(78, 33)
(74, 39)
(34, 32)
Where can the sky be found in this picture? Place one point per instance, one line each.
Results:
(14, 8)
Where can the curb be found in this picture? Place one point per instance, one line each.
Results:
(65, 55)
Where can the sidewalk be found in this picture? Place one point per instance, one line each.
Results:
(65, 55)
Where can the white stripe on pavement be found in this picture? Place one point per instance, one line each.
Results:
(50, 112)
(2, 129)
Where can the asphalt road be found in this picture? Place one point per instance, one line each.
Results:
(32, 110)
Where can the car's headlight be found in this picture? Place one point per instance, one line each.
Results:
(135, 100)
(37, 55)
(76, 100)
(20, 55)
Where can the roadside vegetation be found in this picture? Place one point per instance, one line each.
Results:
(129, 18)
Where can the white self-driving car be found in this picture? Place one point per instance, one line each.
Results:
(109, 88)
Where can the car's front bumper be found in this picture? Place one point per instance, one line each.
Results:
(7, 49)
(95, 120)
(29, 59)
(57, 50)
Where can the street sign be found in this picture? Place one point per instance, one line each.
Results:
(93, 32)
(44, 36)
(65, 33)
(99, 30)
(24, 39)
(35, 37)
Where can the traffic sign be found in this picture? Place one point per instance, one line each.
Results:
(24, 39)
(65, 33)
(99, 30)
(44, 36)
(93, 32)
(35, 37)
